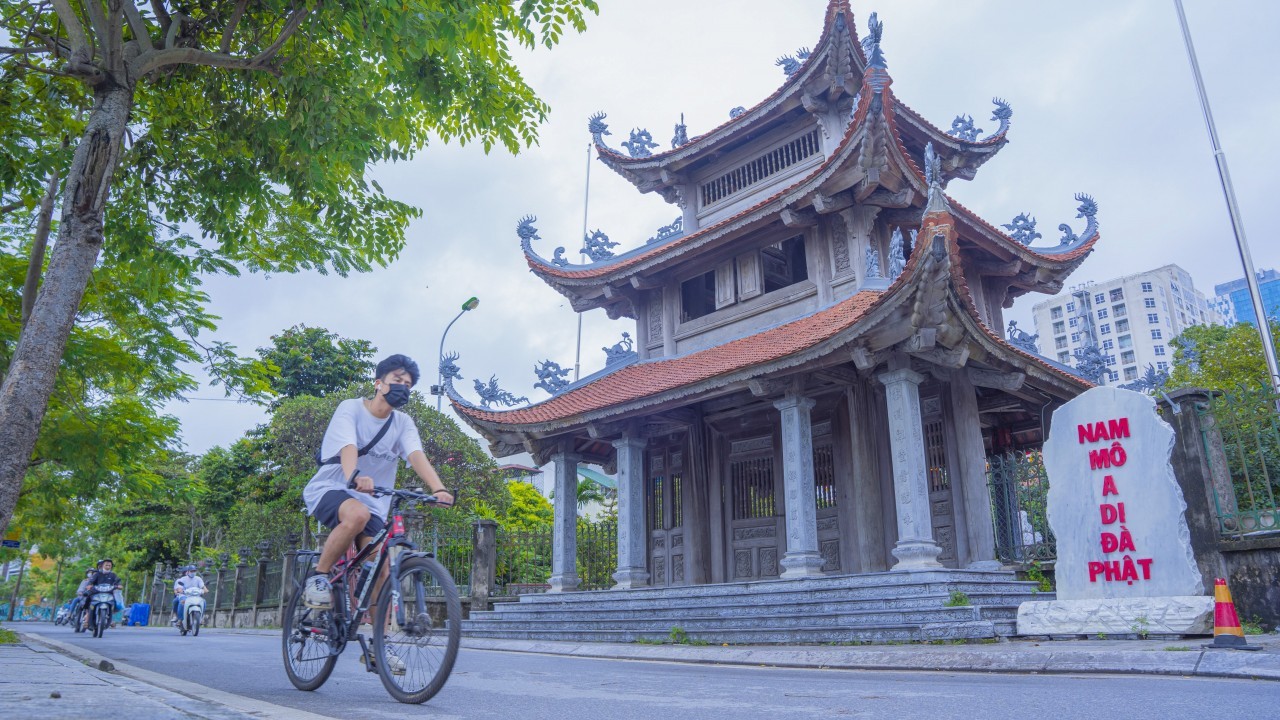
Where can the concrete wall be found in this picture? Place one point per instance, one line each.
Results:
(1253, 569)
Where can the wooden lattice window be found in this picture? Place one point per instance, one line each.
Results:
(752, 481)
(935, 452)
(761, 168)
(664, 497)
(824, 476)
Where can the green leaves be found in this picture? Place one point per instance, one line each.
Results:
(316, 362)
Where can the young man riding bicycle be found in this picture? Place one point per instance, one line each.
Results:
(370, 434)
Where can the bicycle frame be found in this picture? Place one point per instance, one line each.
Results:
(392, 535)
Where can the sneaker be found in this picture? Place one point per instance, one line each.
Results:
(393, 660)
(317, 592)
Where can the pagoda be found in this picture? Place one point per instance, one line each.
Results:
(818, 370)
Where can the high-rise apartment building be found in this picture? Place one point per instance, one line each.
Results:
(1130, 319)
(1235, 294)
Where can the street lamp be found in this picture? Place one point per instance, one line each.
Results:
(438, 389)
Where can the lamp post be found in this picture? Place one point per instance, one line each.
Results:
(470, 304)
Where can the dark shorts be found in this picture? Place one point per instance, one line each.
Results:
(327, 512)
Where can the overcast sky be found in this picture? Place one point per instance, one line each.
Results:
(1103, 103)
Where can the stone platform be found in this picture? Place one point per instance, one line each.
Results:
(874, 607)
(1182, 615)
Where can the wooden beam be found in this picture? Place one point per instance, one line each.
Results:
(1007, 381)
(945, 358)
(803, 217)
(825, 204)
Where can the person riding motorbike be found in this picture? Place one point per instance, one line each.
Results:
(78, 604)
(188, 580)
(105, 576)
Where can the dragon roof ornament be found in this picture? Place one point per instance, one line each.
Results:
(1150, 382)
(1089, 211)
(667, 232)
(791, 65)
(681, 136)
(449, 369)
(551, 377)
(897, 257)
(641, 143)
(1091, 364)
(963, 128)
(1021, 339)
(491, 394)
(598, 128)
(620, 351)
(1023, 229)
(598, 246)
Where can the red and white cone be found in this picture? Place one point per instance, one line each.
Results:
(1227, 633)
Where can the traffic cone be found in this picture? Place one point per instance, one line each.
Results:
(1227, 633)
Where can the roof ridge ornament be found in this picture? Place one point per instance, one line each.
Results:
(735, 112)
(1089, 210)
(1021, 339)
(1091, 364)
(897, 257)
(491, 394)
(871, 43)
(597, 246)
(963, 127)
(791, 65)
(449, 369)
(551, 377)
(640, 144)
(598, 128)
(933, 176)
(681, 136)
(620, 351)
(666, 232)
(1023, 229)
(1151, 381)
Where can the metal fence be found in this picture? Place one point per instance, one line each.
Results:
(1248, 426)
(1019, 501)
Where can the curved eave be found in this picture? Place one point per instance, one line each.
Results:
(645, 257)
(1058, 261)
(949, 145)
(628, 166)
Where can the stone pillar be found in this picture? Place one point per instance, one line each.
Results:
(971, 474)
(1200, 466)
(632, 540)
(915, 549)
(564, 531)
(484, 562)
(802, 558)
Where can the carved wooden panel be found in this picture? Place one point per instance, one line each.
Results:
(768, 562)
(677, 569)
(830, 551)
(742, 567)
(754, 533)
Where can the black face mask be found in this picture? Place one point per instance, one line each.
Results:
(397, 395)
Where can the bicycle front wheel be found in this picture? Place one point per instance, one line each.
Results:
(417, 643)
(308, 651)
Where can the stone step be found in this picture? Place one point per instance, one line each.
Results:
(736, 608)
(700, 622)
(923, 596)
(972, 630)
(886, 582)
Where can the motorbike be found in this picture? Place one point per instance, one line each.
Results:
(102, 603)
(63, 616)
(192, 611)
(79, 621)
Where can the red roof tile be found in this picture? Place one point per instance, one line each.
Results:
(648, 379)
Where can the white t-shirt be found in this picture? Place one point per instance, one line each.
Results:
(353, 424)
(184, 583)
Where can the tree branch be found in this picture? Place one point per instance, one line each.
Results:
(98, 21)
(6, 209)
(162, 15)
(141, 33)
(156, 59)
(75, 31)
(23, 50)
(225, 46)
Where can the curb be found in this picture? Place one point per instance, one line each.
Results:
(1198, 663)
(229, 701)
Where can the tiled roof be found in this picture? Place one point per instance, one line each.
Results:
(647, 379)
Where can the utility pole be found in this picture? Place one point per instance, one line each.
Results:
(1237, 224)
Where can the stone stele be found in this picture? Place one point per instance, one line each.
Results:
(1125, 563)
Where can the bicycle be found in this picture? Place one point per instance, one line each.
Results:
(426, 644)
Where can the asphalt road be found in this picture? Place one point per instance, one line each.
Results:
(507, 686)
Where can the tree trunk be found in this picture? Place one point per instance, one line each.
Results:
(17, 587)
(24, 397)
(35, 266)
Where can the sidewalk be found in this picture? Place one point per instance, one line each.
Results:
(38, 682)
(1183, 657)
(44, 679)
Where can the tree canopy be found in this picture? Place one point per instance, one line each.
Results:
(221, 136)
(1220, 357)
(314, 361)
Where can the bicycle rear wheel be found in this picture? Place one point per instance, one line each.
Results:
(308, 657)
(423, 642)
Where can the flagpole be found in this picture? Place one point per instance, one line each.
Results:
(1237, 224)
(586, 199)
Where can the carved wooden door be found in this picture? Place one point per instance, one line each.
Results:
(752, 511)
(665, 509)
(824, 481)
(940, 498)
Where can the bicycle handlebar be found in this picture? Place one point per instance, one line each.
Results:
(384, 492)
